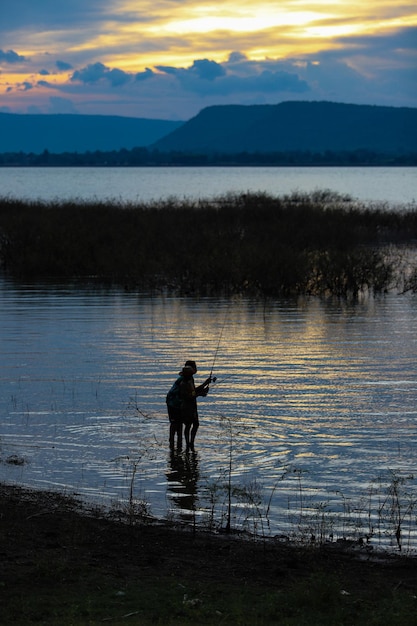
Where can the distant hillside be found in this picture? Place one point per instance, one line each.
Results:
(78, 133)
(296, 126)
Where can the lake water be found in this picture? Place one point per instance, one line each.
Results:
(392, 185)
(316, 402)
(315, 399)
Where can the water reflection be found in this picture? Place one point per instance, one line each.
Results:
(326, 388)
(183, 476)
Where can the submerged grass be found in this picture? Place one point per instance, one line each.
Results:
(320, 243)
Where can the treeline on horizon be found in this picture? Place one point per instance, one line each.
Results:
(147, 157)
(319, 243)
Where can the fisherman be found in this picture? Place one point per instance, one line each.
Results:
(174, 407)
(188, 399)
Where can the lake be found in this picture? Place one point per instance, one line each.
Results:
(312, 418)
(395, 186)
(311, 424)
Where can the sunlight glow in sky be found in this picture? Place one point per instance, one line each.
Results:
(172, 58)
(244, 24)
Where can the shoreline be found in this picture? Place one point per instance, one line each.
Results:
(62, 560)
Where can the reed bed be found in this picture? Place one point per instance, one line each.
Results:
(319, 243)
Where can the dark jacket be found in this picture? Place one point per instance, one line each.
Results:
(188, 395)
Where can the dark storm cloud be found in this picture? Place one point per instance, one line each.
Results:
(10, 56)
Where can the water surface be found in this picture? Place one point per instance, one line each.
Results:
(396, 185)
(315, 399)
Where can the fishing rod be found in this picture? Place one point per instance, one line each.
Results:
(211, 377)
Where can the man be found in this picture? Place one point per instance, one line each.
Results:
(189, 393)
(174, 406)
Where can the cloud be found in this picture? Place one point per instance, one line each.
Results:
(97, 72)
(49, 14)
(118, 77)
(205, 69)
(367, 69)
(201, 69)
(11, 57)
(207, 77)
(90, 74)
(148, 73)
(62, 66)
(237, 57)
(404, 39)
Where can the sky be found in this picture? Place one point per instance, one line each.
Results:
(168, 59)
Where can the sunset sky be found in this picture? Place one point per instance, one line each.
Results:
(168, 59)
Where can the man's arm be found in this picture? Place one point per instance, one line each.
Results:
(203, 389)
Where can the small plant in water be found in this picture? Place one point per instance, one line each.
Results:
(232, 433)
(134, 509)
(397, 506)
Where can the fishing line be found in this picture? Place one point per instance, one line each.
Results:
(214, 378)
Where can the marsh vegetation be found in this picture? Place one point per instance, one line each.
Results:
(319, 243)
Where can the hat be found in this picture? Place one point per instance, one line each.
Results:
(187, 371)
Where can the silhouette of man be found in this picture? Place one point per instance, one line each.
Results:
(188, 398)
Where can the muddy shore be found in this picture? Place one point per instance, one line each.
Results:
(53, 550)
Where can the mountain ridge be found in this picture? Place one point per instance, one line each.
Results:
(62, 132)
(291, 126)
(295, 126)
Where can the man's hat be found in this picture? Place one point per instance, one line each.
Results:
(187, 371)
